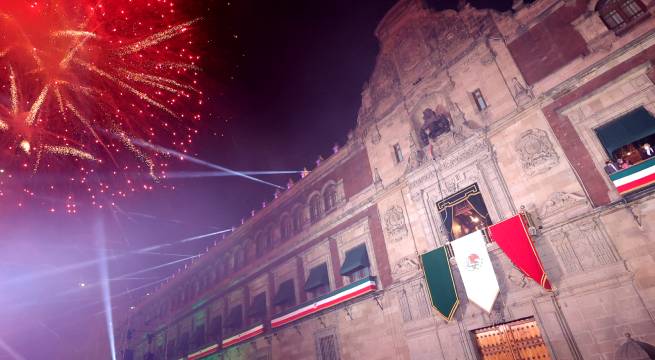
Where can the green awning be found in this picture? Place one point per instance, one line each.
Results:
(234, 320)
(318, 276)
(285, 294)
(629, 128)
(258, 306)
(356, 259)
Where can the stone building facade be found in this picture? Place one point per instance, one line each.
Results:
(512, 103)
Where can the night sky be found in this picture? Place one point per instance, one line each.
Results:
(283, 83)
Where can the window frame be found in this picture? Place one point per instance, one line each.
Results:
(315, 208)
(479, 100)
(330, 197)
(397, 153)
(631, 12)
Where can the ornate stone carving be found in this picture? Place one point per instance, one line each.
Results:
(422, 308)
(409, 49)
(536, 152)
(405, 311)
(567, 256)
(590, 249)
(405, 266)
(464, 154)
(394, 219)
(446, 33)
(560, 201)
(517, 278)
(597, 241)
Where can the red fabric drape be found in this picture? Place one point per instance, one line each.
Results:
(512, 237)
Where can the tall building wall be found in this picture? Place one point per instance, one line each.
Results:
(549, 75)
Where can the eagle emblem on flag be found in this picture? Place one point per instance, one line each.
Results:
(473, 262)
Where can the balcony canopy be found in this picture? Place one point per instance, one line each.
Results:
(356, 259)
(318, 277)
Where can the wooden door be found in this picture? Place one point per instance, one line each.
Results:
(517, 340)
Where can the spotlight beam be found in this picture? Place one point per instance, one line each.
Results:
(104, 282)
(9, 350)
(166, 151)
(87, 263)
(205, 174)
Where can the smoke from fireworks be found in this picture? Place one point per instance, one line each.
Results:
(80, 80)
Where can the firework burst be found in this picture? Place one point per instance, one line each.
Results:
(80, 80)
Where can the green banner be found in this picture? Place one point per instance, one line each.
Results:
(440, 282)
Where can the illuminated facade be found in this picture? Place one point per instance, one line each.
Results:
(524, 108)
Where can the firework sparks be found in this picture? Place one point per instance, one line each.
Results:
(68, 151)
(81, 79)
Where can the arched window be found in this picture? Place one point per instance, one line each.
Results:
(619, 15)
(330, 197)
(315, 208)
(286, 228)
(298, 220)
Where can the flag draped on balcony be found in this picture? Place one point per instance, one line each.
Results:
(476, 270)
(513, 238)
(440, 282)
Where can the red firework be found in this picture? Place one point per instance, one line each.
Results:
(81, 83)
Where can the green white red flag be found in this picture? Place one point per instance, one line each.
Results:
(635, 177)
(476, 270)
(513, 238)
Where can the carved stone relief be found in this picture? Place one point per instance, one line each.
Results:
(472, 161)
(464, 154)
(406, 266)
(405, 310)
(409, 49)
(516, 277)
(564, 249)
(559, 202)
(582, 246)
(446, 33)
(394, 219)
(414, 302)
(536, 152)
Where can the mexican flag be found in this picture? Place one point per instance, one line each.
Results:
(635, 177)
(476, 270)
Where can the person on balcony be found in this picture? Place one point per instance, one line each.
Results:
(648, 150)
(623, 164)
(610, 167)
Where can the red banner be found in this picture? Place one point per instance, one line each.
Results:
(512, 237)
